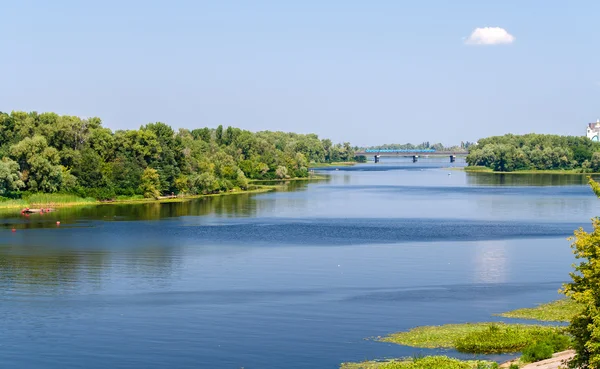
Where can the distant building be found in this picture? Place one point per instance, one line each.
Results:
(593, 131)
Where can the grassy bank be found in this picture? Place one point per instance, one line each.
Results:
(427, 362)
(480, 338)
(479, 169)
(39, 200)
(556, 311)
(335, 164)
(65, 200)
(138, 199)
(309, 178)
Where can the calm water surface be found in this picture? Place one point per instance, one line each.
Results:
(292, 279)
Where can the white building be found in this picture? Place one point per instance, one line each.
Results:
(593, 131)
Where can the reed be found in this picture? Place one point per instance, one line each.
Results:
(56, 199)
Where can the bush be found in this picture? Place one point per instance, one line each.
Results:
(513, 366)
(496, 339)
(558, 342)
(537, 352)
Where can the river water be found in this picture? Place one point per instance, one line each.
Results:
(289, 279)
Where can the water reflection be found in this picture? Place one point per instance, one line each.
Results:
(229, 206)
(490, 260)
(542, 179)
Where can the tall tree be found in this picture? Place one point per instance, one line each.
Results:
(585, 291)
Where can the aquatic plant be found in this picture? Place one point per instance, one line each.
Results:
(558, 311)
(426, 362)
(475, 337)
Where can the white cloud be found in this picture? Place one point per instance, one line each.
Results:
(490, 36)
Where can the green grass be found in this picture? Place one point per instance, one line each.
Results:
(334, 164)
(56, 199)
(556, 311)
(427, 362)
(474, 337)
(477, 169)
(309, 178)
(8, 204)
(130, 198)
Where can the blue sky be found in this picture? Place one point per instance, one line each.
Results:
(368, 72)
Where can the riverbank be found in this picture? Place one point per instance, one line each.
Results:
(334, 164)
(55, 202)
(309, 178)
(551, 171)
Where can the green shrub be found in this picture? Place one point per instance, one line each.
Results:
(513, 366)
(498, 338)
(537, 352)
(557, 341)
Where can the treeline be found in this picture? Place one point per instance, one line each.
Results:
(536, 152)
(421, 146)
(52, 153)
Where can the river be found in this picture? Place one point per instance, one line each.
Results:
(288, 279)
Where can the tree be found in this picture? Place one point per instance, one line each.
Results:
(585, 291)
(204, 183)
(48, 152)
(219, 135)
(40, 164)
(10, 178)
(281, 172)
(150, 183)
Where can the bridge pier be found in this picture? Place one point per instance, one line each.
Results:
(415, 158)
(452, 158)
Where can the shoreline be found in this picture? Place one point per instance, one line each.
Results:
(309, 178)
(548, 171)
(259, 188)
(335, 164)
(263, 189)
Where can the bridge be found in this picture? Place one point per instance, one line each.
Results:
(415, 153)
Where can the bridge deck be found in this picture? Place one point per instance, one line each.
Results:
(412, 153)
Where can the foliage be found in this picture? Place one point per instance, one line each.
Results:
(475, 337)
(536, 352)
(513, 366)
(150, 183)
(555, 311)
(535, 152)
(427, 362)
(584, 290)
(10, 177)
(509, 338)
(52, 153)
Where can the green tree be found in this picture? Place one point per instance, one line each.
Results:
(39, 163)
(150, 183)
(219, 135)
(10, 177)
(584, 289)
(72, 154)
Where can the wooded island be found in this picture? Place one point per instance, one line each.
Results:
(50, 153)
